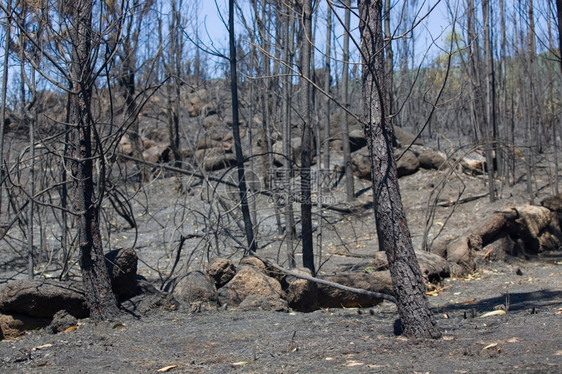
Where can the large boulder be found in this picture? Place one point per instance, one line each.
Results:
(331, 297)
(14, 325)
(256, 263)
(122, 267)
(149, 299)
(42, 298)
(404, 138)
(213, 121)
(432, 159)
(266, 304)
(500, 249)
(125, 146)
(157, 154)
(539, 229)
(534, 219)
(407, 164)
(493, 225)
(249, 281)
(217, 158)
(221, 270)
(357, 140)
(460, 254)
(196, 101)
(157, 136)
(302, 294)
(553, 203)
(361, 163)
(197, 290)
(473, 163)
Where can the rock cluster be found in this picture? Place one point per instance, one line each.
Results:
(520, 231)
(29, 304)
(254, 284)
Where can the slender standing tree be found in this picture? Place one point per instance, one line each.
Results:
(248, 226)
(4, 94)
(173, 74)
(559, 14)
(99, 295)
(127, 73)
(288, 30)
(306, 148)
(392, 228)
(388, 65)
(489, 130)
(327, 83)
(349, 186)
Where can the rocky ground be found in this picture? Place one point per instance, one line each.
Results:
(526, 339)
(522, 335)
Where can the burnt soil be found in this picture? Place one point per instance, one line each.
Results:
(526, 339)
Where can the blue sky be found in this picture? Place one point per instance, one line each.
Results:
(436, 26)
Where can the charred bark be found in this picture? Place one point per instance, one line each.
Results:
(97, 285)
(392, 229)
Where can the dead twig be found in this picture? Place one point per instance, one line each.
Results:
(449, 203)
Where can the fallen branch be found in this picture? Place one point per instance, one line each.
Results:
(449, 203)
(359, 291)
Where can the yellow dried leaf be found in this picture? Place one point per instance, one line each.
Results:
(492, 345)
(493, 313)
(44, 346)
(354, 363)
(166, 369)
(241, 363)
(71, 328)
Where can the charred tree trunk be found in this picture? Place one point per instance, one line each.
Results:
(306, 149)
(3, 100)
(248, 226)
(127, 81)
(97, 285)
(392, 229)
(559, 13)
(287, 192)
(327, 84)
(490, 125)
(389, 68)
(346, 148)
(173, 72)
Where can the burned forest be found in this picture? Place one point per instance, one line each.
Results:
(280, 186)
